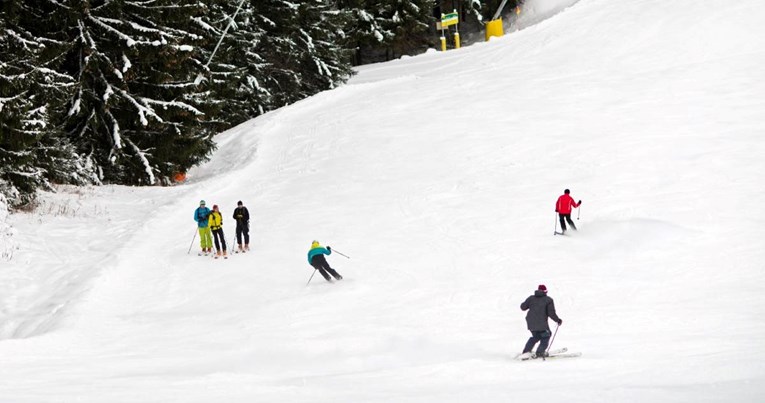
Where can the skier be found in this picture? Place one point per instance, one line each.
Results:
(201, 216)
(242, 217)
(216, 225)
(317, 260)
(540, 307)
(563, 208)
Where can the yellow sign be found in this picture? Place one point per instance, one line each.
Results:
(449, 19)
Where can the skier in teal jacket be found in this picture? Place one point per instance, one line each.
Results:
(202, 217)
(317, 260)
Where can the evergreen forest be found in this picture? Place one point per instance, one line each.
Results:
(133, 91)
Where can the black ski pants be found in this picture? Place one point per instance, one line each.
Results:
(567, 217)
(542, 336)
(242, 229)
(320, 263)
(218, 234)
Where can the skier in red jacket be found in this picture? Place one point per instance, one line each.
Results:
(563, 208)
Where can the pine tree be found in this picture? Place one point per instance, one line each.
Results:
(32, 151)
(267, 57)
(410, 22)
(235, 72)
(386, 29)
(364, 31)
(276, 52)
(321, 58)
(135, 110)
(301, 47)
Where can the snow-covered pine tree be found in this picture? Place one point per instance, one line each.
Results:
(324, 60)
(135, 110)
(22, 118)
(364, 31)
(32, 151)
(236, 73)
(386, 29)
(411, 23)
(268, 58)
(302, 47)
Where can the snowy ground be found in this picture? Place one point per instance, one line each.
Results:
(437, 175)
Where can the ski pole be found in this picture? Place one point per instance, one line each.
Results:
(309, 280)
(192, 241)
(553, 339)
(555, 231)
(578, 212)
(339, 253)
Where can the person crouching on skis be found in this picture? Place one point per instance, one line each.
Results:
(317, 260)
(540, 307)
(216, 225)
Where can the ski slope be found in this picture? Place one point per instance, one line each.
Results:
(437, 175)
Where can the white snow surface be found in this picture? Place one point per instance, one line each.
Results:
(437, 175)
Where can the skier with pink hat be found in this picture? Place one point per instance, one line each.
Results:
(539, 307)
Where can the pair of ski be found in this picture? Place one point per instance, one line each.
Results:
(213, 255)
(558, 353)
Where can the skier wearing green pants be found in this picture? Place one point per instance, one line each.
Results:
(201, 216)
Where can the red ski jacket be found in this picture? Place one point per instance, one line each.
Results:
(564, 204)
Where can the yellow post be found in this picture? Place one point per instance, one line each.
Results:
(447, 20)
(494, 28)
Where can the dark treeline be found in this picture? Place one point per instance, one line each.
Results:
(132, 92)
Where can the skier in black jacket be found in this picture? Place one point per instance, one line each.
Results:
(242, 217)
(540, 307)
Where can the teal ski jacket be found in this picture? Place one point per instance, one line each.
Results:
(317, 251)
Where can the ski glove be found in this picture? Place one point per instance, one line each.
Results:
(556, 210)
(329, 248)
(580, 202)
(560, 322)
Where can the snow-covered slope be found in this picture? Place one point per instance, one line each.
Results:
(437, 175)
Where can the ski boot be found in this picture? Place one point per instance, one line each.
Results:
(526, 356)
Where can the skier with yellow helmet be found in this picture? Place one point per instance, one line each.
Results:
(317, 260)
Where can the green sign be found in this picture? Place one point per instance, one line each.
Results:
(449, 19)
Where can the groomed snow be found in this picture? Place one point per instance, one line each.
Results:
(437, 175)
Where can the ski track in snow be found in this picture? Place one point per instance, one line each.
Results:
(437, 175)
